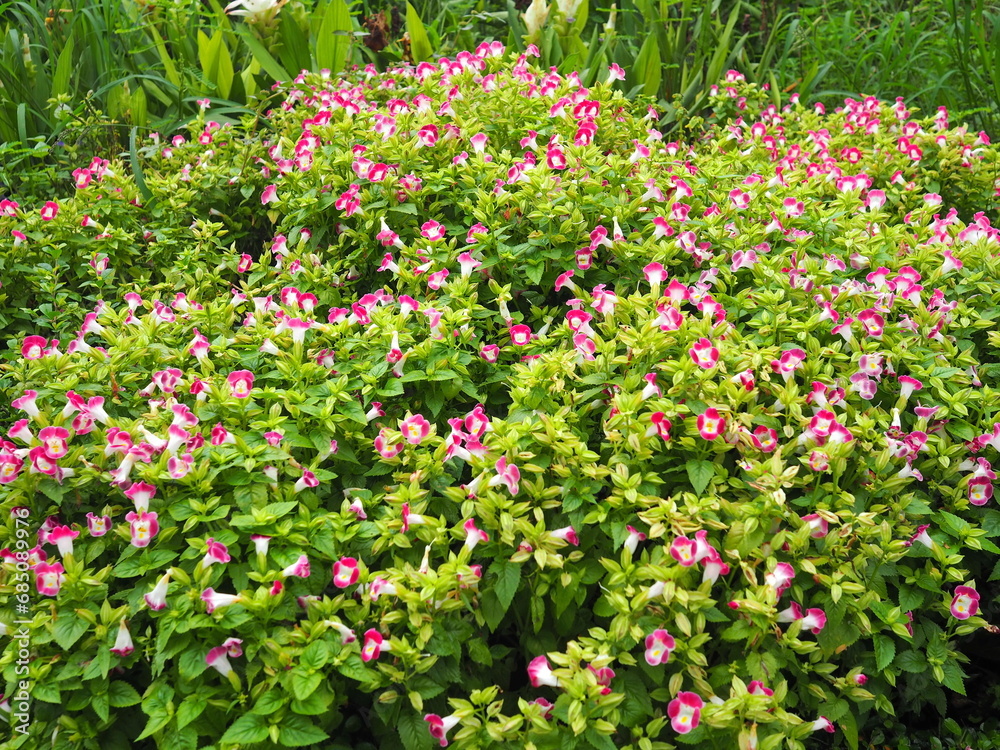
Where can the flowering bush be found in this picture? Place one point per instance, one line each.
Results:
(533, 432)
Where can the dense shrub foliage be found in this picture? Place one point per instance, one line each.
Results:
(523, 428)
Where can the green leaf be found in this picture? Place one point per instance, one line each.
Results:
(954, 677)
(315, 656)
(99, 702)
(700, 472)
(68, 629)
(190, 709)
(646, 70)
(247, 729)
(316, 704)
(297, 731)
(413, 732)
(191, 664)
(849, 725)
(121, 694)
(270, 702)
(140, 179)
(304, 683)
(420, 45)
(267, 63)
(912, 661)
(885, 651)
(334, 36)
(99, 666)
(64, 68)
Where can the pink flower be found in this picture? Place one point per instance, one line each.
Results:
(634, 537)
(214, 600)
(140, 494)
(218, 659)
(964, 605)
(415, 429)
(780, 579)
(123, 643)
(473, 535)
(143, 527)
(814, 620)
(520, 334)
(156, 599)
(269, 195)
(704, 354)
(49, 578)
(921, 536)
(682, 550)
(308, 479)
(659, 645)
(27, 403)
(711, 424)
(824, 724)
(300, 568)
(62, 537)
(757, 687)
(385, 449)
(49, 211)
(345, 572)
(33, 347)
(567, 534)
(819, 526)
(245, 264)
(685, 712)
(540, 674)
(217, 553)
(490, 352)
(10, 467)
(432, 230)
(241, 383)
(765, 439)
(98, 525)
(381, 586)
(374, 645)
(273, 438)
(439, 727)
(54, 441)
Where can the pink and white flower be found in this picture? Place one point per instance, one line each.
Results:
(345, 572)
(659, 645)
(123, 643)
(156, 599)
(540, 673)
(965, 603)
(143, 527)
(240, 383)
(685, 712)
(374, 645)
(439, 727)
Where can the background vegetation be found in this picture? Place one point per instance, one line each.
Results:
(76, 78)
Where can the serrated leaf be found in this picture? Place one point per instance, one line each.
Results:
(247, 729)
(68, 629)
(700, 473)
(911, 661)
(304, 683)
(190, 709)
(121, 694)
(297, 731)
(508, 578)
(885, 651)
(413, 732)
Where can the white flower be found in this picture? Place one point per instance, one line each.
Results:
(255, 10)
(535, 16)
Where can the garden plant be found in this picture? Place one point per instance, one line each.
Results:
(456, 404)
